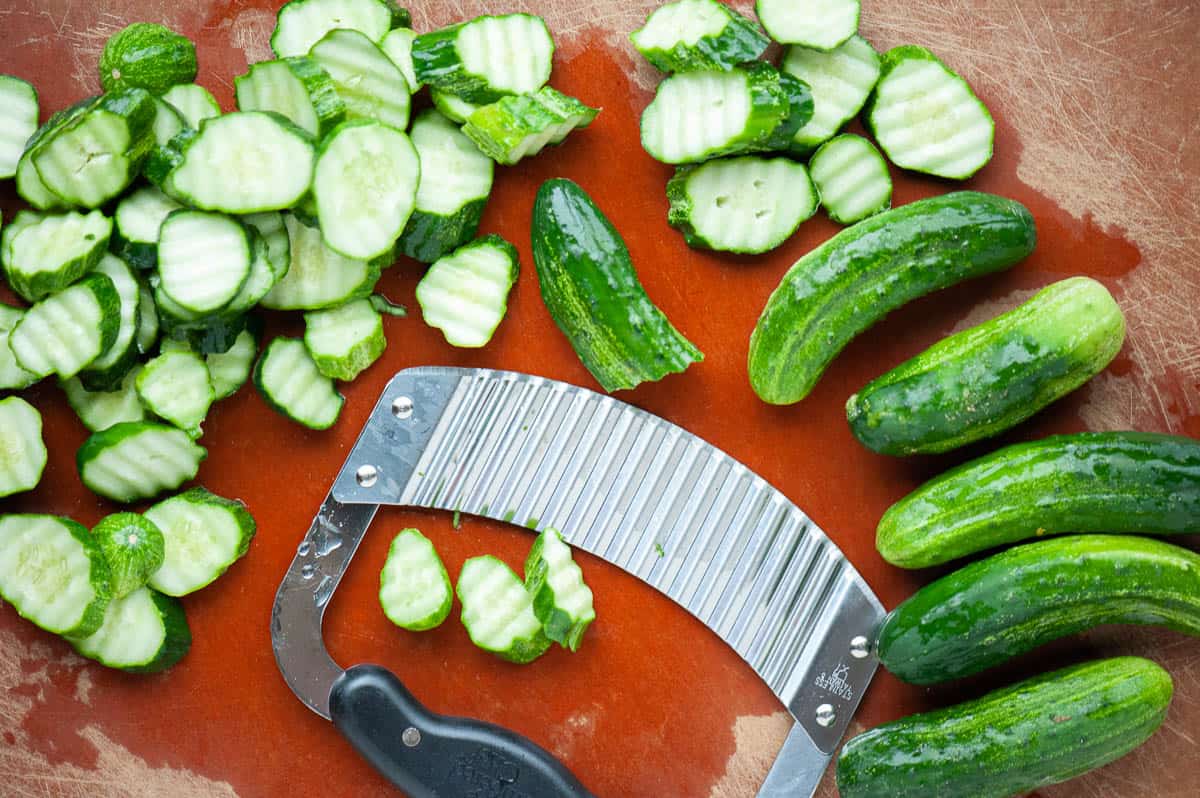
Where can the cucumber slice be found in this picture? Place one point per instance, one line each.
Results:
(107, 371)
(453, 107)
(137, 221)
(147, 332)
(927, 119)
(819, 24)
(53, 573)
(258, 283)
(841, 80)
(137, 460)
(318, 277)
(498, 612)
(228, 371)
(133, 547)
(168, 122)
(166, 158)
(44, 254)
(561, 600)
(99, 410)
(695, 116)
(800, 112)
(148, 56)
(66, 332)
(486, 58)
(747, 204)
(688, 35)
(365, 185)
(95, 157)
(22, 452)
(344, 341)
(145, 632)
(244, 162)
(297, 87)
(29, 182)
(465, 294)
(371, 86)
(175, 387)
(270, 226)
(18, 121)
(397, 45)
(852, 178)
(193, 102)
(204, 259)
(302, 23)
(456, 179)
(516, 127)
(289, 380)
(414, 588)
(12, 376)
(204, 534)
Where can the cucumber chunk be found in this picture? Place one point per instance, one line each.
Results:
(297, 87)
(318, 277)
(53, 573)
(453, 107)
(456, 179)
(365, 185)
(203, 260)
(259, 282)
(497, 611)
(841, 80)
(99, 410)
(228, 371)
(175, 387)
(18, 121)
(194, 103)
(465, 293)
(148, 56)
(133, 547)
(106, 372)
(138, 460)
(746, 204)
(690, 35)
(819, 24)
(168, 122)
(800, 112)
(927, 119)
(137, 221)
(29, 182)
(289, 380)
(368, 82)
(44, 254)
(204, 535)
(144, 632)
(147, 332)
(561, 600)
(344, 341)
(67, 331)
(271, 227)
(852, 178)
(414, 588)
(12, 376)
(302, 23)
(397, 45)
(486, 58)
(513, 128)
(22, 452)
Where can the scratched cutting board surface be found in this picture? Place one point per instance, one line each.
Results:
(1097, 133)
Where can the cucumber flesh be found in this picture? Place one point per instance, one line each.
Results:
(820, 24)
(397, 45)
(297, 87)
(414, 588)
(289, 380)
(302, 23)
(144, 632)
(852, 178)
(138, 460)
(370, 85)
(698, 34)
(12, 376)
(498, 612)
(99, 410)
(147, 333)
(18, 121)
(344, 341)
(204, 535)
(176, 388)
(167, 122)
(193, 102)
(45, 254)
(136, 224)
(22, 452)
(453, 107)
(841, 80)
(203, 260)
(67, 331)
(228, 371)
(561, 600)
(465, 293)
(106, 372)
(318, 277)
(486, 58)
(270, 225)
(133, 548)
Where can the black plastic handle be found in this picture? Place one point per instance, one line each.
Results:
(435, 756)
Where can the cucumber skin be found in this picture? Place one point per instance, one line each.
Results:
(1013, 602)
(1039, 732)
(854, 279)
(429, 236)
(438, 65)
(130, 565)
(589, 285)
(739, 42)
(800, 112)
(1136, 482)
(971, 386)
(145, 42)
(557, 624)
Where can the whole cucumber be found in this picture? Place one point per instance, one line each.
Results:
(863, 273)
(1088, 482)
(1039, 732)
(1015, 601)
(980, 382)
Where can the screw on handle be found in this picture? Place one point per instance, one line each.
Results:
(434, 756)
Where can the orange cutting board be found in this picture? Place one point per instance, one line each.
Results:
(1096, 108)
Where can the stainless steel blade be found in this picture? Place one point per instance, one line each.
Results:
(647, 496)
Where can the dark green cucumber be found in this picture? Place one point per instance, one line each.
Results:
(980, 382)
(1088, 482)
(594, 296)
(863, 273)
(149, 56)
(1041, 731)
(800, 112)
(1015, 601)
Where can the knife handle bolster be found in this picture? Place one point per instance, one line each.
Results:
(435, 756)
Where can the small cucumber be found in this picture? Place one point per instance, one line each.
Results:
(148, 56)
(980, 382)
(1015, 601)
(1039, 732)
(133, 547)
(854, 279)
(1088, 482)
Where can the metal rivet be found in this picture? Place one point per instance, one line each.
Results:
(825, 715)
(366, 475)
(411, 737)
(402, 407)
(860, 647)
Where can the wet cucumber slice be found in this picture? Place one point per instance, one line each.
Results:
(414, 588)
(204, 534)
